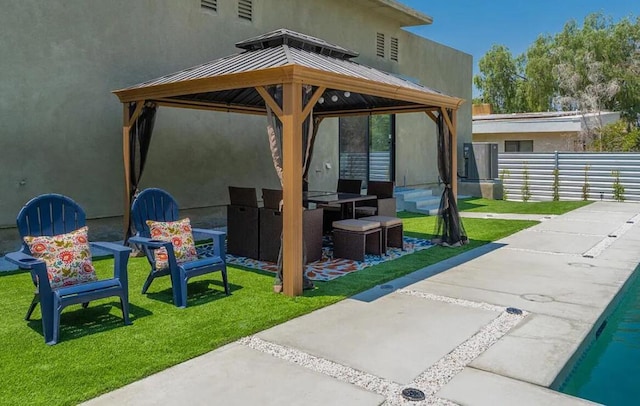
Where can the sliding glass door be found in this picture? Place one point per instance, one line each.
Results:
(367, 147)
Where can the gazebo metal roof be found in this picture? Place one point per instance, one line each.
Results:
(280, 54)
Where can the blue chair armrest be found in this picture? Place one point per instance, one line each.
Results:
(209, 232)
(37, 267)
(120, 259)
(218, 238)
(154, 245)
(24, 261)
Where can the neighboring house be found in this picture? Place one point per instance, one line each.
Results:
(62, 127)
(537, 132)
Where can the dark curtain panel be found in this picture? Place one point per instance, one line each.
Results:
(449, 228)
(139, 142)
(309, 132)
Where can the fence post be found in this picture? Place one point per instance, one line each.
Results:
(556, 164)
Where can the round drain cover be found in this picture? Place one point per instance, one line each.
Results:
(413, 394)
(534, 297)
(513, 310)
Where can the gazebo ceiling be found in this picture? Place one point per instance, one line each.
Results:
(281, 56)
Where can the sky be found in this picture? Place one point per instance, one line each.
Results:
(473, 26)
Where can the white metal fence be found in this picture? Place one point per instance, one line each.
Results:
(579, 174)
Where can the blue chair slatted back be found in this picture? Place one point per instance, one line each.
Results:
(152, 204)
(49, 215)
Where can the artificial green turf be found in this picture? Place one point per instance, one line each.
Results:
(96, 353)
(506, 206)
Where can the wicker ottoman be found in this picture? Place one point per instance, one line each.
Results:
(353, 238)
(391, 231)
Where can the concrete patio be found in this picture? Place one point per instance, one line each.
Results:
(443, 329)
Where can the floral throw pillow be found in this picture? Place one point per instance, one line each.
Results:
(181, 237)
(67, 256)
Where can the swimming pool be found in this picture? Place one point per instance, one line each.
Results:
(609, 371)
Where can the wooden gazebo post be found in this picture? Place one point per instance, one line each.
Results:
(292, 188)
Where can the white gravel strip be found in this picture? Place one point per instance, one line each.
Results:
(346, 374)
(611, 238)
(430, 381)
(542, 252)
(459, 302)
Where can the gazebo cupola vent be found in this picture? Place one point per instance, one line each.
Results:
(296, 40)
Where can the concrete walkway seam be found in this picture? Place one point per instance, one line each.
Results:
(430, 381)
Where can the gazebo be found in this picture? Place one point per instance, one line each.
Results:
(300, 80)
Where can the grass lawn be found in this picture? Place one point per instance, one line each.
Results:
(502, 206)
(96, 353)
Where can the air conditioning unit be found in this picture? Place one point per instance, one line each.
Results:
(480, 160)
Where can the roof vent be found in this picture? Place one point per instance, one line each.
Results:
(380, 44)
(394, 49)
(245, 9)
(211, 5)
(297, 40)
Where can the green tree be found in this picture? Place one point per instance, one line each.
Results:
(599, 59)
(617, 137)
(499, 79)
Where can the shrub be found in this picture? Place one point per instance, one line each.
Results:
(618, 189)
(556, 185)
(526, 192)
(504, 175)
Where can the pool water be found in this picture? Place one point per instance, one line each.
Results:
(609, 371)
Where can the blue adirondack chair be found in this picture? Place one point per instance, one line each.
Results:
(158, 205)
(54, 214)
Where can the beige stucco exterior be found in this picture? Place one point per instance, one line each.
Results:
(549, 131)
(62, 127)
(542, 142)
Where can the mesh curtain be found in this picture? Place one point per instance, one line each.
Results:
(139, 141)
(449, 228)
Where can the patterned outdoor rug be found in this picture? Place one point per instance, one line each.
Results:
(329, 268)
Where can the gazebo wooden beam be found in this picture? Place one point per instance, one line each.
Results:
(370, 87)
(288, 74)
(375, 110)
(292, 189)
(432, 116)
(270, 101)
(306, 110)
(222, 107)
(262, 77)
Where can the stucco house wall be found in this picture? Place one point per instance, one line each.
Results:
(542, 142)
(62, 128)
(550, 131)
